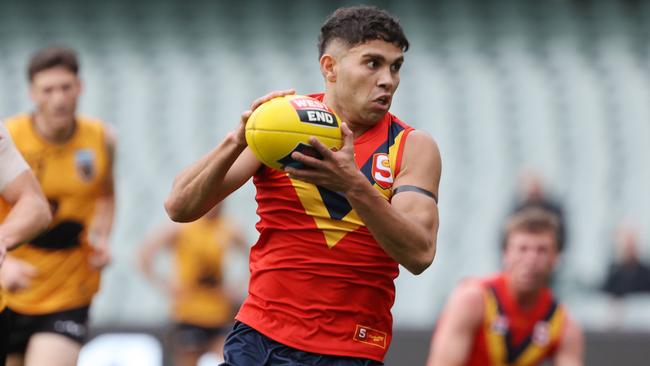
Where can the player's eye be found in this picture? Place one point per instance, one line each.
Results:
(372, 64)
(396, 67)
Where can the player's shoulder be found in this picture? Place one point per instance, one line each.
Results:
(92, 122)
(472, 286)
(19, 126)
(572, 333)
(16, 121)
(98, 126)
(421, 151)
(467, 302)
(470, 293)
(422, 138)
(571, 326)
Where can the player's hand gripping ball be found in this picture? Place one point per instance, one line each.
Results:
(283, 125)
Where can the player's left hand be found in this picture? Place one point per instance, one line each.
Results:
(100, 255)
(16, 274)
(337, 171)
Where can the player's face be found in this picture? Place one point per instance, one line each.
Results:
(366, 80)
(55, 92)
(529, 259)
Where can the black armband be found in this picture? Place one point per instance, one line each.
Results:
(409, 188)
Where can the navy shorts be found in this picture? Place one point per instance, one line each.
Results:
(247, 347)
(190, 336)
(5, 330)
(71, 324)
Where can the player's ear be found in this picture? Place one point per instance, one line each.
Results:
(80, 85)
(328, 67)
(504, 251)
(32, 91)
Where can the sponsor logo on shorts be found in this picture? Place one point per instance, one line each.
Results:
(370, 336)
(70, 327)
(381, 172)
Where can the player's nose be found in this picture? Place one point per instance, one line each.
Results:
(386, 80)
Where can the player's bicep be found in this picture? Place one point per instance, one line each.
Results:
(12, 163)
(22, 186)
(417, 208)
(415, 189)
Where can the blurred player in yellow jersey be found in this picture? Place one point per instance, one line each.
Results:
(29, 214)
(202, 308)
(50, 282)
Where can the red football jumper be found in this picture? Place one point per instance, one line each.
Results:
(319, 281)
(514, 336)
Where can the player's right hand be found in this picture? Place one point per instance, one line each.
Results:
(16, 274)
(239, 135)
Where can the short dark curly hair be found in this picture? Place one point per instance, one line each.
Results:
(50, 57)
(358, 24)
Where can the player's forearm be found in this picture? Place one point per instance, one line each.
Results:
(29, 216)
(147, 269)
(158, 240)
(450, 348)
(102, 223)
(197, 187)
(406, 241)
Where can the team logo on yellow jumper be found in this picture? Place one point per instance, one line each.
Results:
(85, 161)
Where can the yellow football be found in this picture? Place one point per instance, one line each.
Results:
(283, 125)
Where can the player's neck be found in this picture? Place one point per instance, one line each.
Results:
(52, 133)
(357, 129)
(525, 298)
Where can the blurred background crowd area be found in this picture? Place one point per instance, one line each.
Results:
(528, 100)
